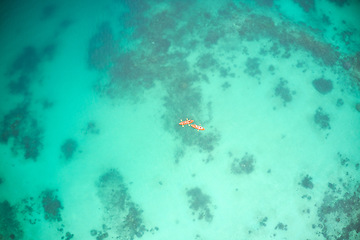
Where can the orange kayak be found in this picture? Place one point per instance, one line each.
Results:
(186, 122)
(197, 127)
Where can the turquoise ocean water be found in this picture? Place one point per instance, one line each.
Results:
(92, 94)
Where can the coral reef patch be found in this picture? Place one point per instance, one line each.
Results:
(281, 226)
(102, 48)
(48, 12)
(306, 5)
(322, 85)
(340, 3)
(306, 182)
(92, 128)
(339, 212)
(199, 204)
(10, 227)
(23, 69)
(252, 67)
(68, 148)
(243, 165)
(284, 92)
(25, 131)
(51, 205)
(121, 214)
(256, 27)
(322, 119)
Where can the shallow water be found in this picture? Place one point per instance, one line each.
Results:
(92, 96)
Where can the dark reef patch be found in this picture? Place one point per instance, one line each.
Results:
(322, 85)
(22, 70)
(252, 67)
(325, 19)
(10, 227)
(257, 26)
(339, 102)
(160, 45)
(48, 52)
(51, 206)
(68, 148)
(213, 36)
(122, 215)
(283, 91)
(351, 62)
(245, 165)
(20, 86)
(306, 5)
(134, 222)
(132, 73)
(103, 48)
(207, 61)
(182, 91)
(93, 232)
(265, 3)
(225, 85)
(100, 234)
(47, 104)
(340, 215)
(339, 3)
(179, 153)
(26, 63)
(160, 57)
(344, 161)
(112, 182)
(275, 50)
(68, 236)
(271, 68)
(207, 142)
(225, 72)
(159, 24)
(263, 222)
(24, 129)
(199, 203)
(346, 36)
(281, 226)
(306, 182)
(91, 128)
(66, 23)
(322, 119)
(30, 210)
(48, 12)
(339, 211)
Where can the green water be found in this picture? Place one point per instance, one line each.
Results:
(92, 94)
